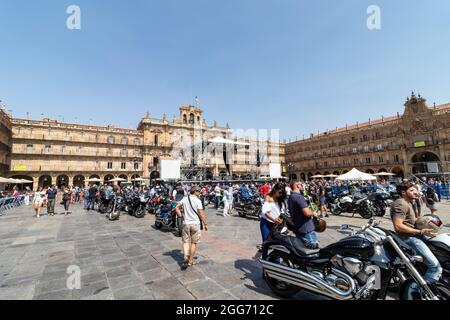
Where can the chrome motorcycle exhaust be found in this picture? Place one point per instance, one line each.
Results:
(309, 282)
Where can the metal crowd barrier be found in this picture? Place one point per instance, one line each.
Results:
(9, 203)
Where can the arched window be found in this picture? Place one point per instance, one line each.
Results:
(198, 120)
(110, 139)
(137, 141)
(191, 119)
(184, 119)
(156, 139)
(124, 140)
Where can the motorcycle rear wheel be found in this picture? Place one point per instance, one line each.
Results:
(281, 288)
(158, 225)
(336, 212)
(242, 214)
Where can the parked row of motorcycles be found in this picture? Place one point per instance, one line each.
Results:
(362, 266)
(131, 202)
(367, 205)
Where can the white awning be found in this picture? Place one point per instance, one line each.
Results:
(355, 174)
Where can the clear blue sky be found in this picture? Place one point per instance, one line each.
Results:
(297, 65)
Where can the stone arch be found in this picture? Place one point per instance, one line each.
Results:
(310, 174)
(336, 173)
(45, 181)
(78, 181)
(107, 179)
(303, 176)
(421, 160)
(135, 176)
(95, 176)
(382, 170)
(370, 171)
(123, 176)
(398, 172)
(154, 175)
(425, 156)
(62, 181)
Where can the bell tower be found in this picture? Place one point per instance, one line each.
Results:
(191, 116)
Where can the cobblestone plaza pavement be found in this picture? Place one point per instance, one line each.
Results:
(129, 259)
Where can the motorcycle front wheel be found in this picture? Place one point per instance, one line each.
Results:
(281, 288)
(365, 211)
(140, 212)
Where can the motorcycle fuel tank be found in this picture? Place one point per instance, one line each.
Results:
(350, 247)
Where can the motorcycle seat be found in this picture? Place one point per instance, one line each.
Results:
(299, 248)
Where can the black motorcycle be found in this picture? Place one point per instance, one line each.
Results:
(106, 202)
(356, 203)
(166, 216)
(380, 202)
(248, 207)
(118, 205)
(355, 267)
(138, 206)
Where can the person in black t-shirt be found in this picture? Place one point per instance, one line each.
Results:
(51, 198)
(302, 217)
(92, 196)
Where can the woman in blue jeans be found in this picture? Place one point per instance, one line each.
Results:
(271, 210)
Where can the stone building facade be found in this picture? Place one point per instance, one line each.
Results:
(5, 142)
(51, 152)
(416, 142)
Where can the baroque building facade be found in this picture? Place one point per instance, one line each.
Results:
(416, 142)
(51, 152)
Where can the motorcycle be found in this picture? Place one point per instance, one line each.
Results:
(440, 246)
(166, 216)
(356, 203)
(118, 205)
(355, 267)
(106, 203)
(153, 203)
(380, 201)
(138, 205)
(248, 207)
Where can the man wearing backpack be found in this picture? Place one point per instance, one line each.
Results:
(178, 193)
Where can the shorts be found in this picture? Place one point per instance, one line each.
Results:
(323, 201)
(191, 233)
(38, 203)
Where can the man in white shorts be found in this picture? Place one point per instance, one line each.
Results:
(194, 220)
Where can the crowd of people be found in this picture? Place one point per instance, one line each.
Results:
(302, 201)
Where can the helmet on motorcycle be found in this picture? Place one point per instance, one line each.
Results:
(429, 221)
